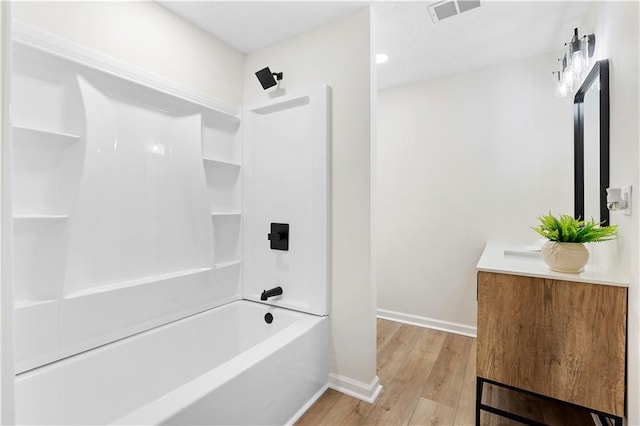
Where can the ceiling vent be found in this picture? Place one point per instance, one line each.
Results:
(448, 8)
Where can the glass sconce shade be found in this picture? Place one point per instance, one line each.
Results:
(568, 77)
(560, 88)
(581, 51)
(577, 62)
(584, 51)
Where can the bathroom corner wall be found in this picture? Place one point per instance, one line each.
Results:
(339, 54)
(615, 25)
(147, 36)
(464, 159)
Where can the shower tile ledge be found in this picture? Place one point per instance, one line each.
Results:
(517, 260)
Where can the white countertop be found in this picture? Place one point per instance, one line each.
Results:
(517, 260)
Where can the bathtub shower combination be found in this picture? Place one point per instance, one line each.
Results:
(143, 219)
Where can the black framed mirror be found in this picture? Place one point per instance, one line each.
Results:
(591, 145)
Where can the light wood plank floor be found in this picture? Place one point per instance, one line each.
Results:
(429, 379)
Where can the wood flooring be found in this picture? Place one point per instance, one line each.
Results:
(429, 378)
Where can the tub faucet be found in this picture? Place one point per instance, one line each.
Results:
(276, 291)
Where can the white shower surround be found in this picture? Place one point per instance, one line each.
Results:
(88, 322)
(286, 180)
(117, 196)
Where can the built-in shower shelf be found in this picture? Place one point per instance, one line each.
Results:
(224, 163)
(40, 217)
(19, 304)
(136, 282)
(24, 135)
(226, 214)
(227, 264)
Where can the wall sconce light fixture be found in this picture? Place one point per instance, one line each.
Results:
(574, 63)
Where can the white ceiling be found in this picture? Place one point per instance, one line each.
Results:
(252, 25)
(418, 48)
(494, 33)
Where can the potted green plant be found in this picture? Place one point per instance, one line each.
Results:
(565, 250)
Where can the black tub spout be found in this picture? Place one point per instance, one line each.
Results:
(276, 291)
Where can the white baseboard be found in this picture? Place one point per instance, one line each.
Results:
(450, 327)
(365, 392)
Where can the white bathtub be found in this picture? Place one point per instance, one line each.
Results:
(222, 366)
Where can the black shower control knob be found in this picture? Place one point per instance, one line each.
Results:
(276, 236)
(279, 236)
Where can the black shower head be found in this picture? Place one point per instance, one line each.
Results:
(266, 77)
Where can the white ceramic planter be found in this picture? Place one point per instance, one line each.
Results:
(565, 257)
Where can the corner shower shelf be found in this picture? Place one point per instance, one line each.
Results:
(222, 265)
(212, 161)
(226, 214)
(24, 134)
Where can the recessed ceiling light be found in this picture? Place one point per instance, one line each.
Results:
(381, 58)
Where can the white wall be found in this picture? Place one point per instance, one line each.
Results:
(462, 160)
(146, 35)
(615, 25)
(338, 54)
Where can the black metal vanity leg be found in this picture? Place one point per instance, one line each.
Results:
(479, 383)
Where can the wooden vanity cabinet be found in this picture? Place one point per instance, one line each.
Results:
(560, 339)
